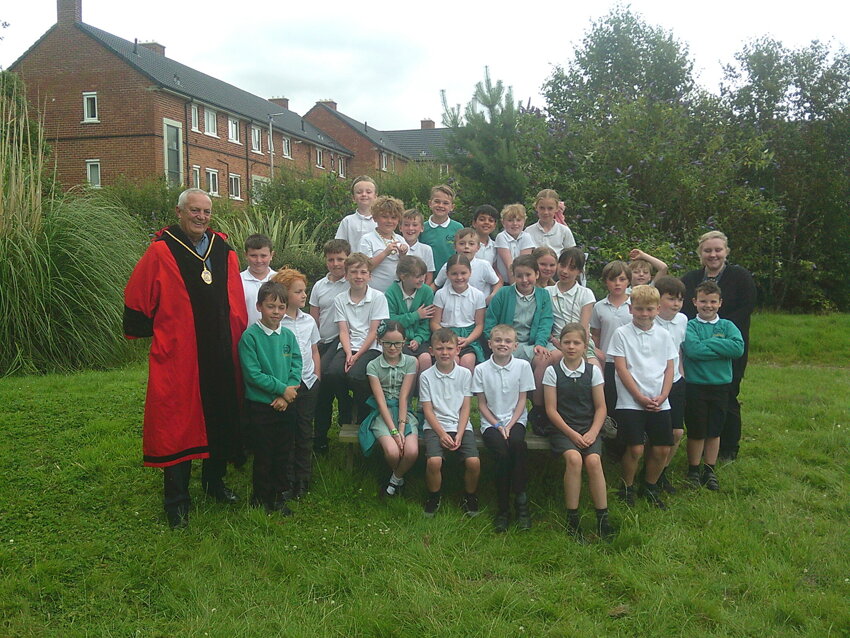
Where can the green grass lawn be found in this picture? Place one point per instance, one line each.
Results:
(84, 550)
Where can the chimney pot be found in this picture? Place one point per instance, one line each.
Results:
(69, 11)
(426, 123)
(282, 102)
(156, 47)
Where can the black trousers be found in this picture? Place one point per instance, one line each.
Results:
(272, 435)
(355, 380)
(176, 482)
(730, 436)
(299, 465)
(511, 467)
(326, 395)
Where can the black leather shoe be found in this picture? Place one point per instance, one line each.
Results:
(300, 488)
(178, 518)
(223, 494)
(280, 507)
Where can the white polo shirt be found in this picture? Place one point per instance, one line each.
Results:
(383, 275)
(487, 252)
(459, 307)
(677, 327)
(606, 317)
(567, 306)
(515, 244)
(647, 353)
(501, 386)
(445, 393)
(551, 379)
(482, 276)
(360, 315)
(353, 227)
(557, 238)
(306, 332)
(251, 286)
(322, 297)
(424, 252)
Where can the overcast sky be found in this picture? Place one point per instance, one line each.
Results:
(387, 63)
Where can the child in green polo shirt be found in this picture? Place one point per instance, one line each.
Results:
(439, 231)
(411, 303)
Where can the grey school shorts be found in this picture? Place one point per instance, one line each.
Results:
(468, 448)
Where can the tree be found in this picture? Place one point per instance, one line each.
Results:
(483, 144)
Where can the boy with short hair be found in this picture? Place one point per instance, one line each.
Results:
(383, 246)
(641, 266)
(607, 316)
(484, 221)
(412, 223)
(671, 291)
(710, 346)
(259, 254)
(502, 384)
(353, 227)
(643, 356)
(439, 232)
(410, 303)
(271, 368)
(358, 312)
(322, 310)
(513, 241)
(482, 276)
(444, 394)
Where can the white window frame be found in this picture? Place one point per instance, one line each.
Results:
(90, 164)
(384, 161)
(320, 157)
(234, 179)
(286, 147)
(179, 126)
(89, 100)
(196, 176)
(210, 114)
(256, 140)
(233, 130)
(212, 182)
(340, 166)
(196, 118)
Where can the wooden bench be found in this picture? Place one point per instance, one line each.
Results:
(348, 436)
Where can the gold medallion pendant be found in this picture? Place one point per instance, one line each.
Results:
(206, 276)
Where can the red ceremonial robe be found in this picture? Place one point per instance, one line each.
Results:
(194, 379)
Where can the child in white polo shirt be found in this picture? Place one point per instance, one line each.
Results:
(607, 315)
(322, 310)
(383, 246)
(548, 232)
(299, 466)
(513, 241)
(484, 221)
(460, 307)
(502, 384)
(358, 313)
(259, 254)
(643, 357)
(444, 394)
(353, 227)
(412, 224)
(482, 276)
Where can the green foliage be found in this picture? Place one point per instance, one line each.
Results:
(152, 202)
(483, 144)
(309, 262)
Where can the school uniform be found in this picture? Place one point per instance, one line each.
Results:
(574, 390)
(446, 392)
(647, 353)
(503, 307)
(391, 377)
(424, 252)
(557, 238)
(487, 252)
(515, 245)
(441, 239)
(501, 386)
(403, 308)
(384, 273)
(251, 286)
(353, 227)
(607, 318)
(676, 328)
(459, 310)
(482, 276)
(300, 463)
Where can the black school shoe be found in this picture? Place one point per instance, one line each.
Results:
(523, 516)
(604, 529)
(665, 484)
(501, 522)
(432, 504)
(652, 493)
(627, 494)
(469, 505)
(178, 518)
(222, 494)
(709, 479)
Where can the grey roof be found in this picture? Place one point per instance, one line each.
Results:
(378, 138)
(182, 79)
(420, 143)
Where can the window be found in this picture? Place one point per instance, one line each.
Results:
(256, 139)
(195, 118)
(196, 176)
(340, 166)
(287, 147)
(210, 122)
(93, 172)
(172, 135)
(212, 182)
(234, 186)
(258, 183)
(383, 161)
(320, 158)
(233, 129)
(90, 113)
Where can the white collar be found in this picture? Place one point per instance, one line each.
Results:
(362, 216)
(299, 314)
(465, 293)
(505, 367)
(268, 330)
(247, 275)
(701, 320)
(445, 224)
(578, 371)
(527, 297)
(641, 331)
(448, 375)
(370, 294)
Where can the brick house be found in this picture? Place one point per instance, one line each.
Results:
(117, 108)
(423, 144)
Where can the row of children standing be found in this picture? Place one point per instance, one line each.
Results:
(381, 328)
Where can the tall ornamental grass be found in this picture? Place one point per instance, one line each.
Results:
(64, 259)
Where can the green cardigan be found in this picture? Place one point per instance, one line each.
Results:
(503, 306)
(414, 327)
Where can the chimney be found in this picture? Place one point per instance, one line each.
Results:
(426, 123)
(69, 11)
(329, 103)
(282, 102)
(156, 47)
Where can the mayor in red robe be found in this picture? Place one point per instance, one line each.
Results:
(186, 293)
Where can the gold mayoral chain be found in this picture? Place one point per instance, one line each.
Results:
(206, 275)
